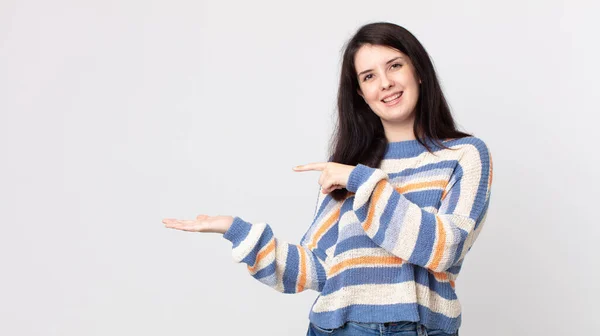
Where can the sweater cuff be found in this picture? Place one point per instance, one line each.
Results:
(359, 175)
(238, 230)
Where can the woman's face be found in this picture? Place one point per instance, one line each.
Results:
(387, 82)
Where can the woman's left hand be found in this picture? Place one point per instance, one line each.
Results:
(334, 175)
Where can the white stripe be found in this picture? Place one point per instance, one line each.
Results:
(241, 251)
(281, 255)
(386, 294)
(409, 232)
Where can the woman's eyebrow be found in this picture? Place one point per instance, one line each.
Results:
(388, 62)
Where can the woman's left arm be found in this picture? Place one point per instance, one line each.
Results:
(434, 241)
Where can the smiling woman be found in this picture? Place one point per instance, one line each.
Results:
(403, 197)
(391, 69)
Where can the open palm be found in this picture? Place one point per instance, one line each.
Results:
(202, 223)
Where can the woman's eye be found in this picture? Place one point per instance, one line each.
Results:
(366, 77)
(397, 65)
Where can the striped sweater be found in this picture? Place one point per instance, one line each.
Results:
(392, 250)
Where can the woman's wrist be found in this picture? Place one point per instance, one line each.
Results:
(227, 222)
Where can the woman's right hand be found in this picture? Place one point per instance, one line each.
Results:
(202, 223)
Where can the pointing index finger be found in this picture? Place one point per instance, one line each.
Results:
(311, 166)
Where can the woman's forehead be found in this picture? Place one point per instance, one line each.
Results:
(373, 55)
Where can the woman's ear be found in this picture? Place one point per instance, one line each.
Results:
(360, 93)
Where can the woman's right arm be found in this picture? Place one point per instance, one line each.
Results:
(286, 267)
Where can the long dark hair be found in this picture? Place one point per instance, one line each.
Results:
(359, 135)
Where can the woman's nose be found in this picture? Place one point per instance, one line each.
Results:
(386, 83)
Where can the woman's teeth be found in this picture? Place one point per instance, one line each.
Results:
(394, 97)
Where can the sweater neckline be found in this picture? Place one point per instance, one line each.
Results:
(408, 148)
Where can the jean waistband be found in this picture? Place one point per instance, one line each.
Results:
(392, 326)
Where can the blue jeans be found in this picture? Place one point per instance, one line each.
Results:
(359, 329)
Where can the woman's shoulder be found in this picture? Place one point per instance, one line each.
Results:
(470, 140)
(474, 150)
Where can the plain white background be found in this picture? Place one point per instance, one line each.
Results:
(116, 114)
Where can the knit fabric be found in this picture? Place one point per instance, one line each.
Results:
(392, 250)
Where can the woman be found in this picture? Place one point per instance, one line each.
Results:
(403, 197)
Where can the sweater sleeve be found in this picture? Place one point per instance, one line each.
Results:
(434, 241)
(286, 267)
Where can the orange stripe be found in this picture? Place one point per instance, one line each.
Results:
(452, 283)
(262, 254)
(328, 223)
(423, 185)
(367, 260)
(376, 196)
(444, 194)
(439, 248)
(302, 279)
(440, 276)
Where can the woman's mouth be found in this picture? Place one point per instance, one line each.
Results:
(393, 100)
